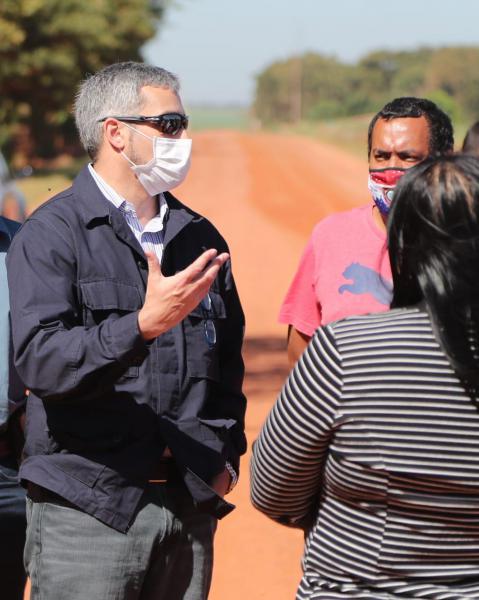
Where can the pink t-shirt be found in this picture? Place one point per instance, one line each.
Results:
(344, 271)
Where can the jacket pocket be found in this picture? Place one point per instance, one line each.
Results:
(110, 296)
(109, 299)
(203, 332)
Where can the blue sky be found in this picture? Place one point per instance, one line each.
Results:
(218, 46)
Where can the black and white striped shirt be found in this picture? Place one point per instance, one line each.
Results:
(373, 447)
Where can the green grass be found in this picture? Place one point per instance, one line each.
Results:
(348, 133)
(351, 133)
(218, 117)
(45, 183)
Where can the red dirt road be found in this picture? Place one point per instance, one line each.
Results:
(264, 192)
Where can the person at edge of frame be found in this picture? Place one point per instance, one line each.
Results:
(127, 330)
(470, 145)
(12, 410)
(372, 447)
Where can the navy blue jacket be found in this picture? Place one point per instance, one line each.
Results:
(103, 402)
(12, 392)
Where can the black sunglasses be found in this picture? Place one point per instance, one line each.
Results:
(168, 123)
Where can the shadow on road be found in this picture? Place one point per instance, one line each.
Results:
(266, 364)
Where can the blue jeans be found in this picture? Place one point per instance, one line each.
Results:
(12, 531)
(167, 554)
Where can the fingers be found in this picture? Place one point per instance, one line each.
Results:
(202, 283)
(153, 264)
(169, 299)
(214, 266)
(207, 263)
(201, 262)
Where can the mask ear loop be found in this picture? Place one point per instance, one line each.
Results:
(148, 137)
(152, 139)
(130, 161)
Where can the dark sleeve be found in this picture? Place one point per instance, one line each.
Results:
(292, 447)
(228, 401)
(16, 387)
(55, 355)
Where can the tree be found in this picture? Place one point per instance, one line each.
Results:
(455, 71)
(311, 85)
(274, 92)
(327, 88)
(48, 46)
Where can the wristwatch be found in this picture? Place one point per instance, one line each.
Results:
(233, 476)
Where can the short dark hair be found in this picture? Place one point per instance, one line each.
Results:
(433, 242)
(441, 136)
(471, 141)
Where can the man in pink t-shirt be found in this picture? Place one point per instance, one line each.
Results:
(344, 269)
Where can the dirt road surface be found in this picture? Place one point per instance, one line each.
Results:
(264, 192)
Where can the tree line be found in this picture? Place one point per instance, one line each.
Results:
(315, 86)
(46, 48)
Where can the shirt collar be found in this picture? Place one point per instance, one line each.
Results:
(93, 206)
(155, 224)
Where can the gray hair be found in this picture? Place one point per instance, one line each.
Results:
(115, 90)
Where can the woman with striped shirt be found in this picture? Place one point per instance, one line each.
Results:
(373, 444)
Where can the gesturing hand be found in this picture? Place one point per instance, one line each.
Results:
(169, 299)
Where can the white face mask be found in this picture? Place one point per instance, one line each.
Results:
(168, 167)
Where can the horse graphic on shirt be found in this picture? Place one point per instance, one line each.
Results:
(367, 281)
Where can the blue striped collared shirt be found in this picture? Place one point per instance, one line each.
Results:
(151, 236)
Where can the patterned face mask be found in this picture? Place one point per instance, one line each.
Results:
(381, 184)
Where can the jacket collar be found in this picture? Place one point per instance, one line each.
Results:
(7, 230)
(4, 231)
(94, 206)
(92, 203)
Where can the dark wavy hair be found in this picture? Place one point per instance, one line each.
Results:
(433, 240)
(441, 134)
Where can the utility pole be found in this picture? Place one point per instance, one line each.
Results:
(296, 103)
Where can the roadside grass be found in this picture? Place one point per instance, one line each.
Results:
(349, 134)
(219, 117)
(45, 183)
(39, 188)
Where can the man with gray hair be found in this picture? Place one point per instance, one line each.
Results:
(127, 329)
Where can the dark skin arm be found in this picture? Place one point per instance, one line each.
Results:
(297, 342)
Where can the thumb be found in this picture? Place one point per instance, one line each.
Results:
(154, 269)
